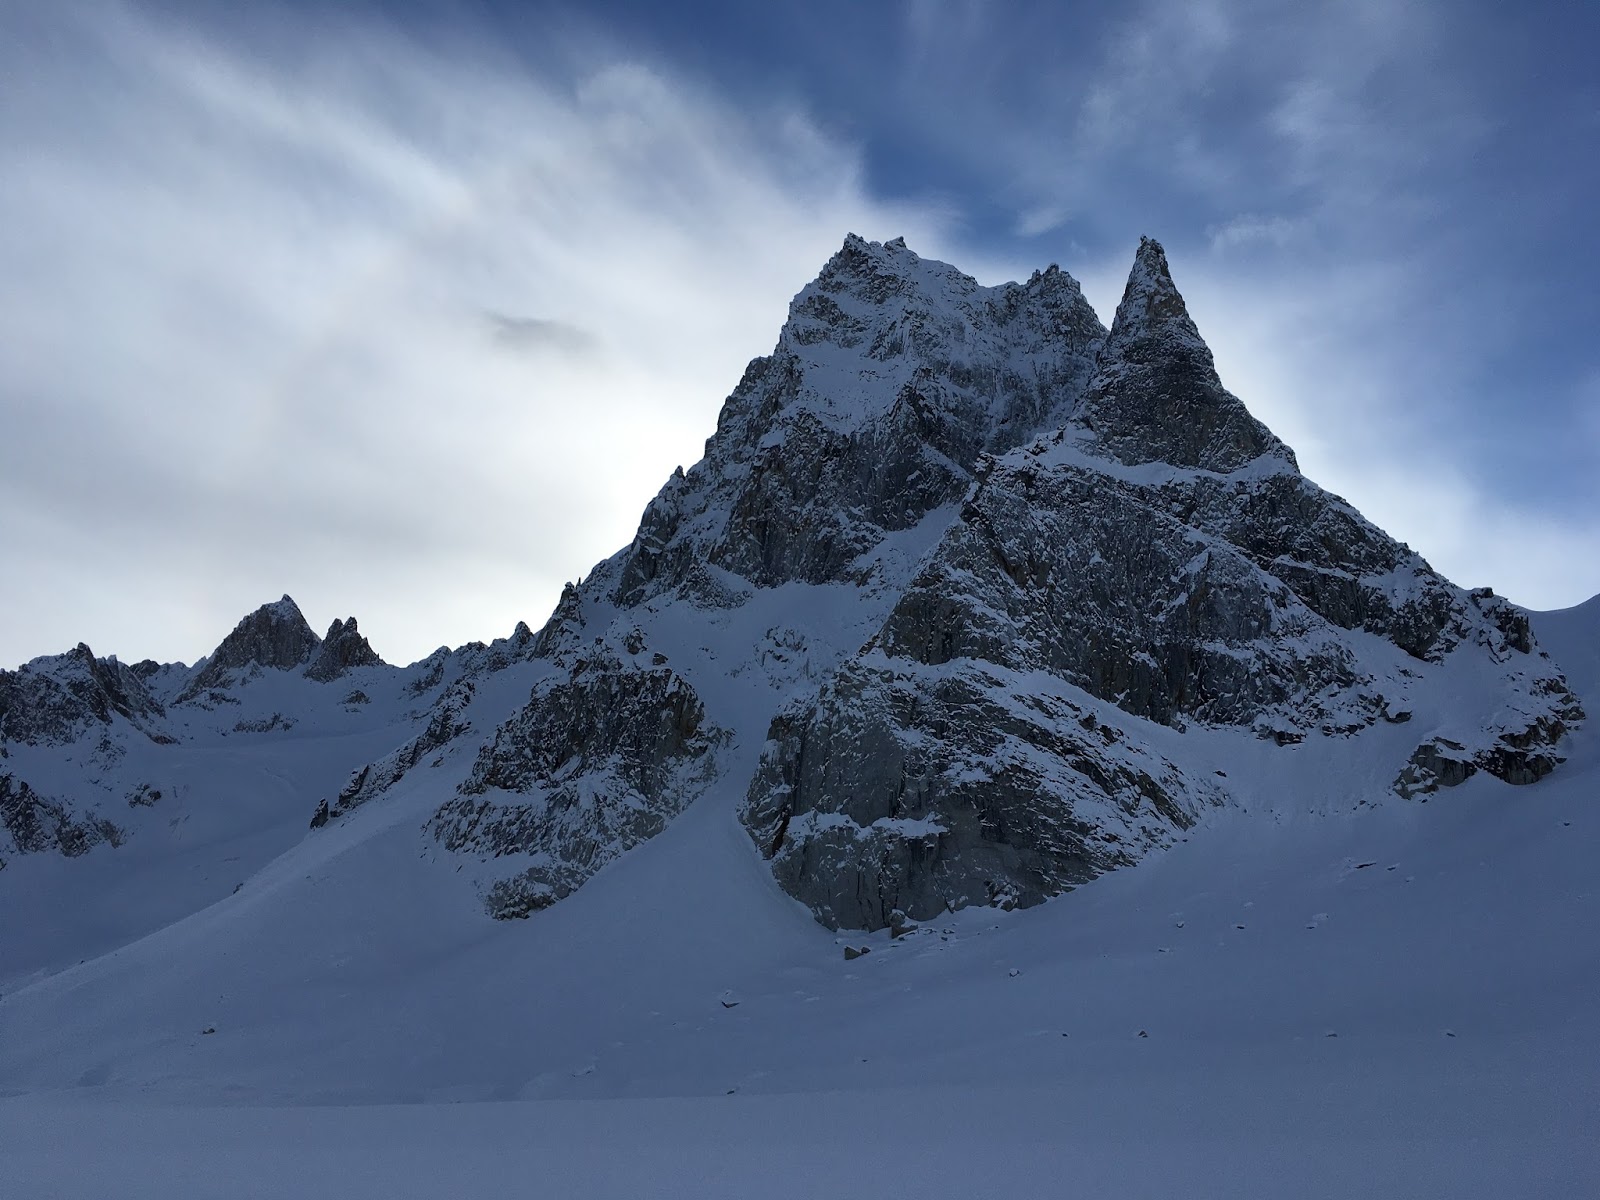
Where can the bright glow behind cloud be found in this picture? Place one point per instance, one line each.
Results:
(413, 335)
(414, 329)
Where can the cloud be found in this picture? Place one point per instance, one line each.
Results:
(1248, 229)
(413, 326)
(538, 334)
(252, 288)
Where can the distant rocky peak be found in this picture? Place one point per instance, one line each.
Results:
(343, 649)
(1156, 397)
(275, 636)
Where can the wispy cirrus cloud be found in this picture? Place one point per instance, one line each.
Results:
(253, 301)
(1318, 174)
(412, 325)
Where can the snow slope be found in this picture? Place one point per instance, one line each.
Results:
(1448, 946)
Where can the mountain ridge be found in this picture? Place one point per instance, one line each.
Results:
(951, 555)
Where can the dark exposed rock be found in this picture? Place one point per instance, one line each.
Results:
(517, 898)
(596, 762)
(563, 631)
(272, 724)
(51, 701)
(33, 824)
(342, 650)
(1156, 396)
(1522, 750)
(1435, 764)
(144, 796)
(907, 790)
(1062, 569)
(274, 637)
(430, 672)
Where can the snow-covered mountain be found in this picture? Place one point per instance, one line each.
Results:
(969, 602)
(969, 599)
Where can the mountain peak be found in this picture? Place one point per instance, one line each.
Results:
(343, 649)
(275, 635)
(1150, 298)
(1156, 396)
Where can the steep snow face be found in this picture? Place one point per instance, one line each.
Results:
(1572, 636)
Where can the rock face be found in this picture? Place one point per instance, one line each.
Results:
(343, 649)
(597, 761)
(891, 377)
(1057, 568)
(53, 701)
(904, 789)
(1162, 554)
(32, 824)
(274, 637)
(1155, 396)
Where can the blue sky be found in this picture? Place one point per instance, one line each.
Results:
(259, 270)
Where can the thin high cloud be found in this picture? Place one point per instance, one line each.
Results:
(253, 307)
(1308, 170)
(413, 329)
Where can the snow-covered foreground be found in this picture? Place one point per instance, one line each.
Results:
(1399, 1000)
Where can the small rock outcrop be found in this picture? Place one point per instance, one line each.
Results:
(342, 650)
(597, 761)
(35, 824)
(447, 722)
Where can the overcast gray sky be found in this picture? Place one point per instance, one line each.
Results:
(408, 309)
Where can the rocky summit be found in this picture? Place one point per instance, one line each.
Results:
(969, 601)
